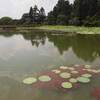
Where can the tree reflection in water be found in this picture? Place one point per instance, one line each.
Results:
(86, 47)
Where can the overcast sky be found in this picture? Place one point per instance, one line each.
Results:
(15, 8)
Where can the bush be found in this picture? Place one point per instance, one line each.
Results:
(5, 20)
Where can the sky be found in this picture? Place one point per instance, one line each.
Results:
(15, 8)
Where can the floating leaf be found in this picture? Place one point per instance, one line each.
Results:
(70, 68)
(87, 75)
(87, 66)
(83, 80)
(45, 78)
(95, 71)
(29, 80)
(63, 67)
(74, 72)
(73, 80)
(77, 65)
(56, 71)
(66, 85)
(65, 75)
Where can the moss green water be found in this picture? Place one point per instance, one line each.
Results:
(26, 54)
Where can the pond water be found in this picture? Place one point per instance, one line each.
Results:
(26, 54)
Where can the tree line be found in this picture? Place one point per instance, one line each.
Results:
(80, 13)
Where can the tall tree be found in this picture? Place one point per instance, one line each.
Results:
(42, 15)
(31, 14)
(62, 8)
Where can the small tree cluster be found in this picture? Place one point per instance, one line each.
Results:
(34, 16)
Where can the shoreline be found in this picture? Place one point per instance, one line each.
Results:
(65, 29)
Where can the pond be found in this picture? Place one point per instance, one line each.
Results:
(25, 55)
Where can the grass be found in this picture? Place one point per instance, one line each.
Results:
(81, 30)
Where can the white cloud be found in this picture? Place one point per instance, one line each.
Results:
(15, 8)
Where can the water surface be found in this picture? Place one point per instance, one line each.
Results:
(26, 54)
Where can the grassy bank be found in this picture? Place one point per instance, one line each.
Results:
(76, 29)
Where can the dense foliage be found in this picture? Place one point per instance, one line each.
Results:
(80, 13)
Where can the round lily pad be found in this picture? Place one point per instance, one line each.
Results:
(70, 68)
(65, 75)
(44, 78)
(66, 85)
(73, 80)
(29, 80)
(95, 71)
(56, 71)
(74, 72)
(99, 70)
(77, 65)
(87, 75)
(63, 67)
(90, 70)
(83, 79)
(87, 66)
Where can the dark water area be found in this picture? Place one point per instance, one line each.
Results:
(26, 54)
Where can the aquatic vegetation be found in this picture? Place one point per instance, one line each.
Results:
(74, 72)
(87, 75)
(64, 77)
(56, 71)
(45, 78)
(73, 80)
(29, 80)
(66, 85)
(96, 93)
(63, 67)
(83, 80)
(87, 66)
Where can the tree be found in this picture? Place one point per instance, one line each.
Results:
(42, 15)
(31, 14)
(62, 8)
(62, 20)
(51, 20)
(84, 8)
(5, 20)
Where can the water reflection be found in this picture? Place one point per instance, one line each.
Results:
(85, 47)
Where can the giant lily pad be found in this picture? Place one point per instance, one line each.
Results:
(87, 75)
(44, 78)
(63, 67)
(56, 71)
(77, 65)
(95, 71)
(83, 79)
(70, 68)
(65, 75)
(73, 80)
(74, 72)
(66, 85)
(29, 80)
(87, 66)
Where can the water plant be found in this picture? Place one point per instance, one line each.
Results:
(29, 80)
(67, 85)
(83, 80)
(45, 78)
(64, 77)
